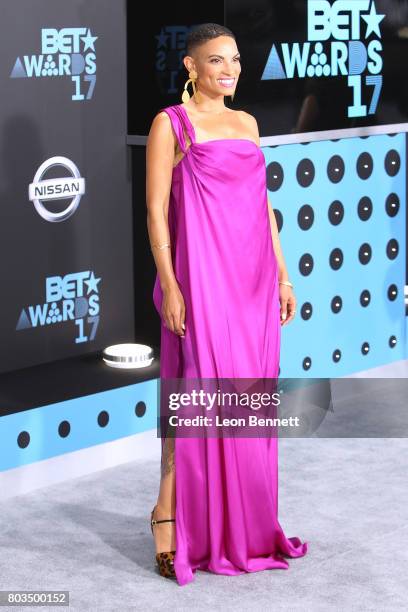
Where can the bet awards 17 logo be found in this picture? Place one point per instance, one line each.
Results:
(345, 22)
(73, 297)
(66, 52)
(170, 49)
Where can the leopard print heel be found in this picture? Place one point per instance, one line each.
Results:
(165, 560)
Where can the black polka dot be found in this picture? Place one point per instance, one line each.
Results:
(392, 292)
(103, 418)
(365, 208)
(274, 176)
(365, 298)
(365, 165)
(392, 205)
(336, 355)
(336, 304)
(140, 409)
(392, 162)
(305, 217)
(335, 169)
(392, 341)
(279, 218)
(23, 439)
(365, 348)
(336, 259)
(392, 249)
(364, 253)
(64, 429)
(307, 363)
(306, 311)
(305, 172)
(306, 264)
(336, 212)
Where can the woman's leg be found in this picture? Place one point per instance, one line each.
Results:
(165, 533)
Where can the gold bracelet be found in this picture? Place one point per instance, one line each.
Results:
(289, 284)
(161, 246)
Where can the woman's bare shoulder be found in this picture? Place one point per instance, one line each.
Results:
(161, 131)
(161, 124)
(251, 123)
(161, 117)
(247, 116)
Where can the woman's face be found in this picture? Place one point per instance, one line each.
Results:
(217, 65)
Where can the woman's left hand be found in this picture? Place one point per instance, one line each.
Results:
(287, 301)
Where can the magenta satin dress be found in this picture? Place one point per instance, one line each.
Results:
(224, 262)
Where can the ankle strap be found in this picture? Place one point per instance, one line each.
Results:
(153, 521)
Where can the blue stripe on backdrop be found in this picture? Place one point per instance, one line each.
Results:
(129, 410)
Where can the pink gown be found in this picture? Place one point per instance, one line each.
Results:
(225, 265)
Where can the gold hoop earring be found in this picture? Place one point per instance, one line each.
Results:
(186, 96)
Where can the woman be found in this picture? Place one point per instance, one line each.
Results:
(223, 293)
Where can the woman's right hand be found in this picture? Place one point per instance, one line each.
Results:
(174, 310)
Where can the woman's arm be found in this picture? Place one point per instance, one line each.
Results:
(159, 168)
(160, 153)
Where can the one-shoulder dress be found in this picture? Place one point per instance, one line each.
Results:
(225, 265)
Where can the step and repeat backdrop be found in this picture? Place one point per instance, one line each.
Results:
(76, 267)
(307, 65)
(327, 84)
(66, 238)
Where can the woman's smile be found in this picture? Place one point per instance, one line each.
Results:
(227, 82)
